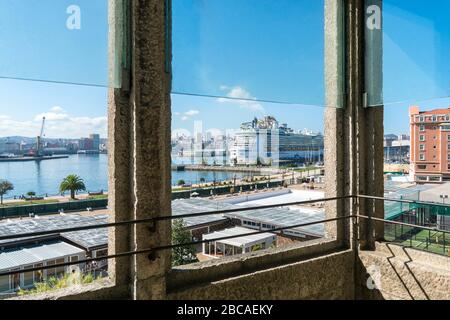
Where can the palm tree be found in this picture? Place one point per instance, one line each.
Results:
(72, 183)
(5, 187)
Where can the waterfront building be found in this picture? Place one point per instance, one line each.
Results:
(266, 142)
(95, 141)
(396, 148)
(86, 144)
(430, 145)
(9, 147)
(89, 145)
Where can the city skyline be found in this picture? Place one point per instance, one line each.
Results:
(199, 37)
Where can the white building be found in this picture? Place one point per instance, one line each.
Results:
(243, 244)
(35, 256)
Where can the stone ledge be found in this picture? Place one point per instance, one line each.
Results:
(100, 290)
(214, 270)
(405, 273)
(326, 277)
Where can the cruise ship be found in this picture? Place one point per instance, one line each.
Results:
(266, 142)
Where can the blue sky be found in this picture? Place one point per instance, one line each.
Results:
(253, 49)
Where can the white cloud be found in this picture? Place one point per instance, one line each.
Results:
(191, 113)
(58, 124)
(57, 109)
(241, 97)
(187, 115)
(51, 116)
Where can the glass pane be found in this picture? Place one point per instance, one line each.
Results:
(28, 277)
(38, 275)
(50, 271)
(4, 283)
(254, 50)
(408, 49)
(57, 41)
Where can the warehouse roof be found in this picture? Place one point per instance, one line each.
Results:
(195, 205)
(280, 217)
(86, 239)
(245, 240)
(18, 257)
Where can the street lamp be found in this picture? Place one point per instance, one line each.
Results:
(443, 197)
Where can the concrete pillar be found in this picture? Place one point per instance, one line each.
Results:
(337, 141)
(139, 131)
(370, 122)
(151, 123)
(119, 133)
(353, 133)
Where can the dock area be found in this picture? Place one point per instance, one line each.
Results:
(23, 159)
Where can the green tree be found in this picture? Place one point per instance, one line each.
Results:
(181, 182)
(5, 187)
(202, 180)
(185, 254)
(72, 183)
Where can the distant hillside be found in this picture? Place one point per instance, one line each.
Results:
(17, 139)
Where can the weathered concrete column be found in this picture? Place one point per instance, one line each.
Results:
(139, 133)
(353, 133)
(370, 121)
(336, 122)
(119, 140)
(374, 92)
(151, 123)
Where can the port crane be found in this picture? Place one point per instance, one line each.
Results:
(39, 148)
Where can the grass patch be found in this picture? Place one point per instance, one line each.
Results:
(27, 203)
(60, 283)
(98, 197)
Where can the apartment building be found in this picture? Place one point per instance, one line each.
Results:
(430, 145)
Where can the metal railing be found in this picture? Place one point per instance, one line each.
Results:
(152, 251)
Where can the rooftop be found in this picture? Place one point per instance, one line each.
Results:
(279, 217)
(195, 205)
(245, 240)
(86, 239)
(36, 254)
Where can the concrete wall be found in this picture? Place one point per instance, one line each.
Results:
(327, 277)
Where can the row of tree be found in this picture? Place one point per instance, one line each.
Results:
(72, 183)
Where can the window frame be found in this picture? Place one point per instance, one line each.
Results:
(338, 232)
(122, 204)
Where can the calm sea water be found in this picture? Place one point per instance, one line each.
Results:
(44, 177)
